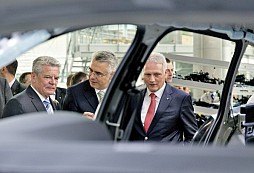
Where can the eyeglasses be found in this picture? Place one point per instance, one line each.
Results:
(96, 73)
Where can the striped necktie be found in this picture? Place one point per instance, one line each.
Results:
(48, 106)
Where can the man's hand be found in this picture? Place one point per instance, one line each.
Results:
(89, 115)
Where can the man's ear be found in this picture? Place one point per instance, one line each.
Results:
(3, 69)
(33, 75)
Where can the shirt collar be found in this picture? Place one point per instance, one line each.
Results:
(41, 97)
(96, 90)
(157, 93)
(11, 82)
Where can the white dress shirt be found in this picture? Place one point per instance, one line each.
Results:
(147, 100)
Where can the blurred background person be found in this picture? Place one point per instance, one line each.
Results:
(179, 87)
(169, 71)
(187, 90)
(8, 72)
(78, 77)
(25, 78)
(68, 82)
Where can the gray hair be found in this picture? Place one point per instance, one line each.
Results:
(158, 58)
(44, 60)
(106, 56)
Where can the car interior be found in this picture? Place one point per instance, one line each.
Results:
(205, 60)
(212, 56)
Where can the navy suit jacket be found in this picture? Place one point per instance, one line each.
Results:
(25, 102)
(81, 98)
(60, 95)
(17, 87)
(174, 120)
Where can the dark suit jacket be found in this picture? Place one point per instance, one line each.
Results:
(174, 120)
(5, 94)
(81, 98)
(17, 87)
(60, 95)
(25, 102)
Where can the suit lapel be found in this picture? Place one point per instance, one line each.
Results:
(35, 99)
(60, 94)
(90, 95)
(139, 108)
(14, 87)
(17, 87)
(55, 104)
(163, 104)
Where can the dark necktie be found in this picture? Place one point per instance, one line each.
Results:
(150, 112)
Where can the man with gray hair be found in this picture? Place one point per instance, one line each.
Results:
(85, 96)
(44, 79)
(166, 113)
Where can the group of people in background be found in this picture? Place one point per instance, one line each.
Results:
(165, 113)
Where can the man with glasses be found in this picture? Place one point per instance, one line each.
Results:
(85, 96)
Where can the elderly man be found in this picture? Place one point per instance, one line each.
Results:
(166, 113)
(45, 75)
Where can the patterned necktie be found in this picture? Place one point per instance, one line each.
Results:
(150, 112)
(48, 106)
(100, 95)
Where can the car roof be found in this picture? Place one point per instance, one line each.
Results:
(29, 14)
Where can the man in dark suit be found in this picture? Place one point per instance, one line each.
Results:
(45, 75)
(5, 94)
(59, 96)
(8, 72)
(85, 96)
(172, 117)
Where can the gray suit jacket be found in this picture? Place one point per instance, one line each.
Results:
(174, 120)
(25, 102)
(5, 94)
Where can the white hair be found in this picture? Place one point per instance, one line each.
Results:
(158, 58)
